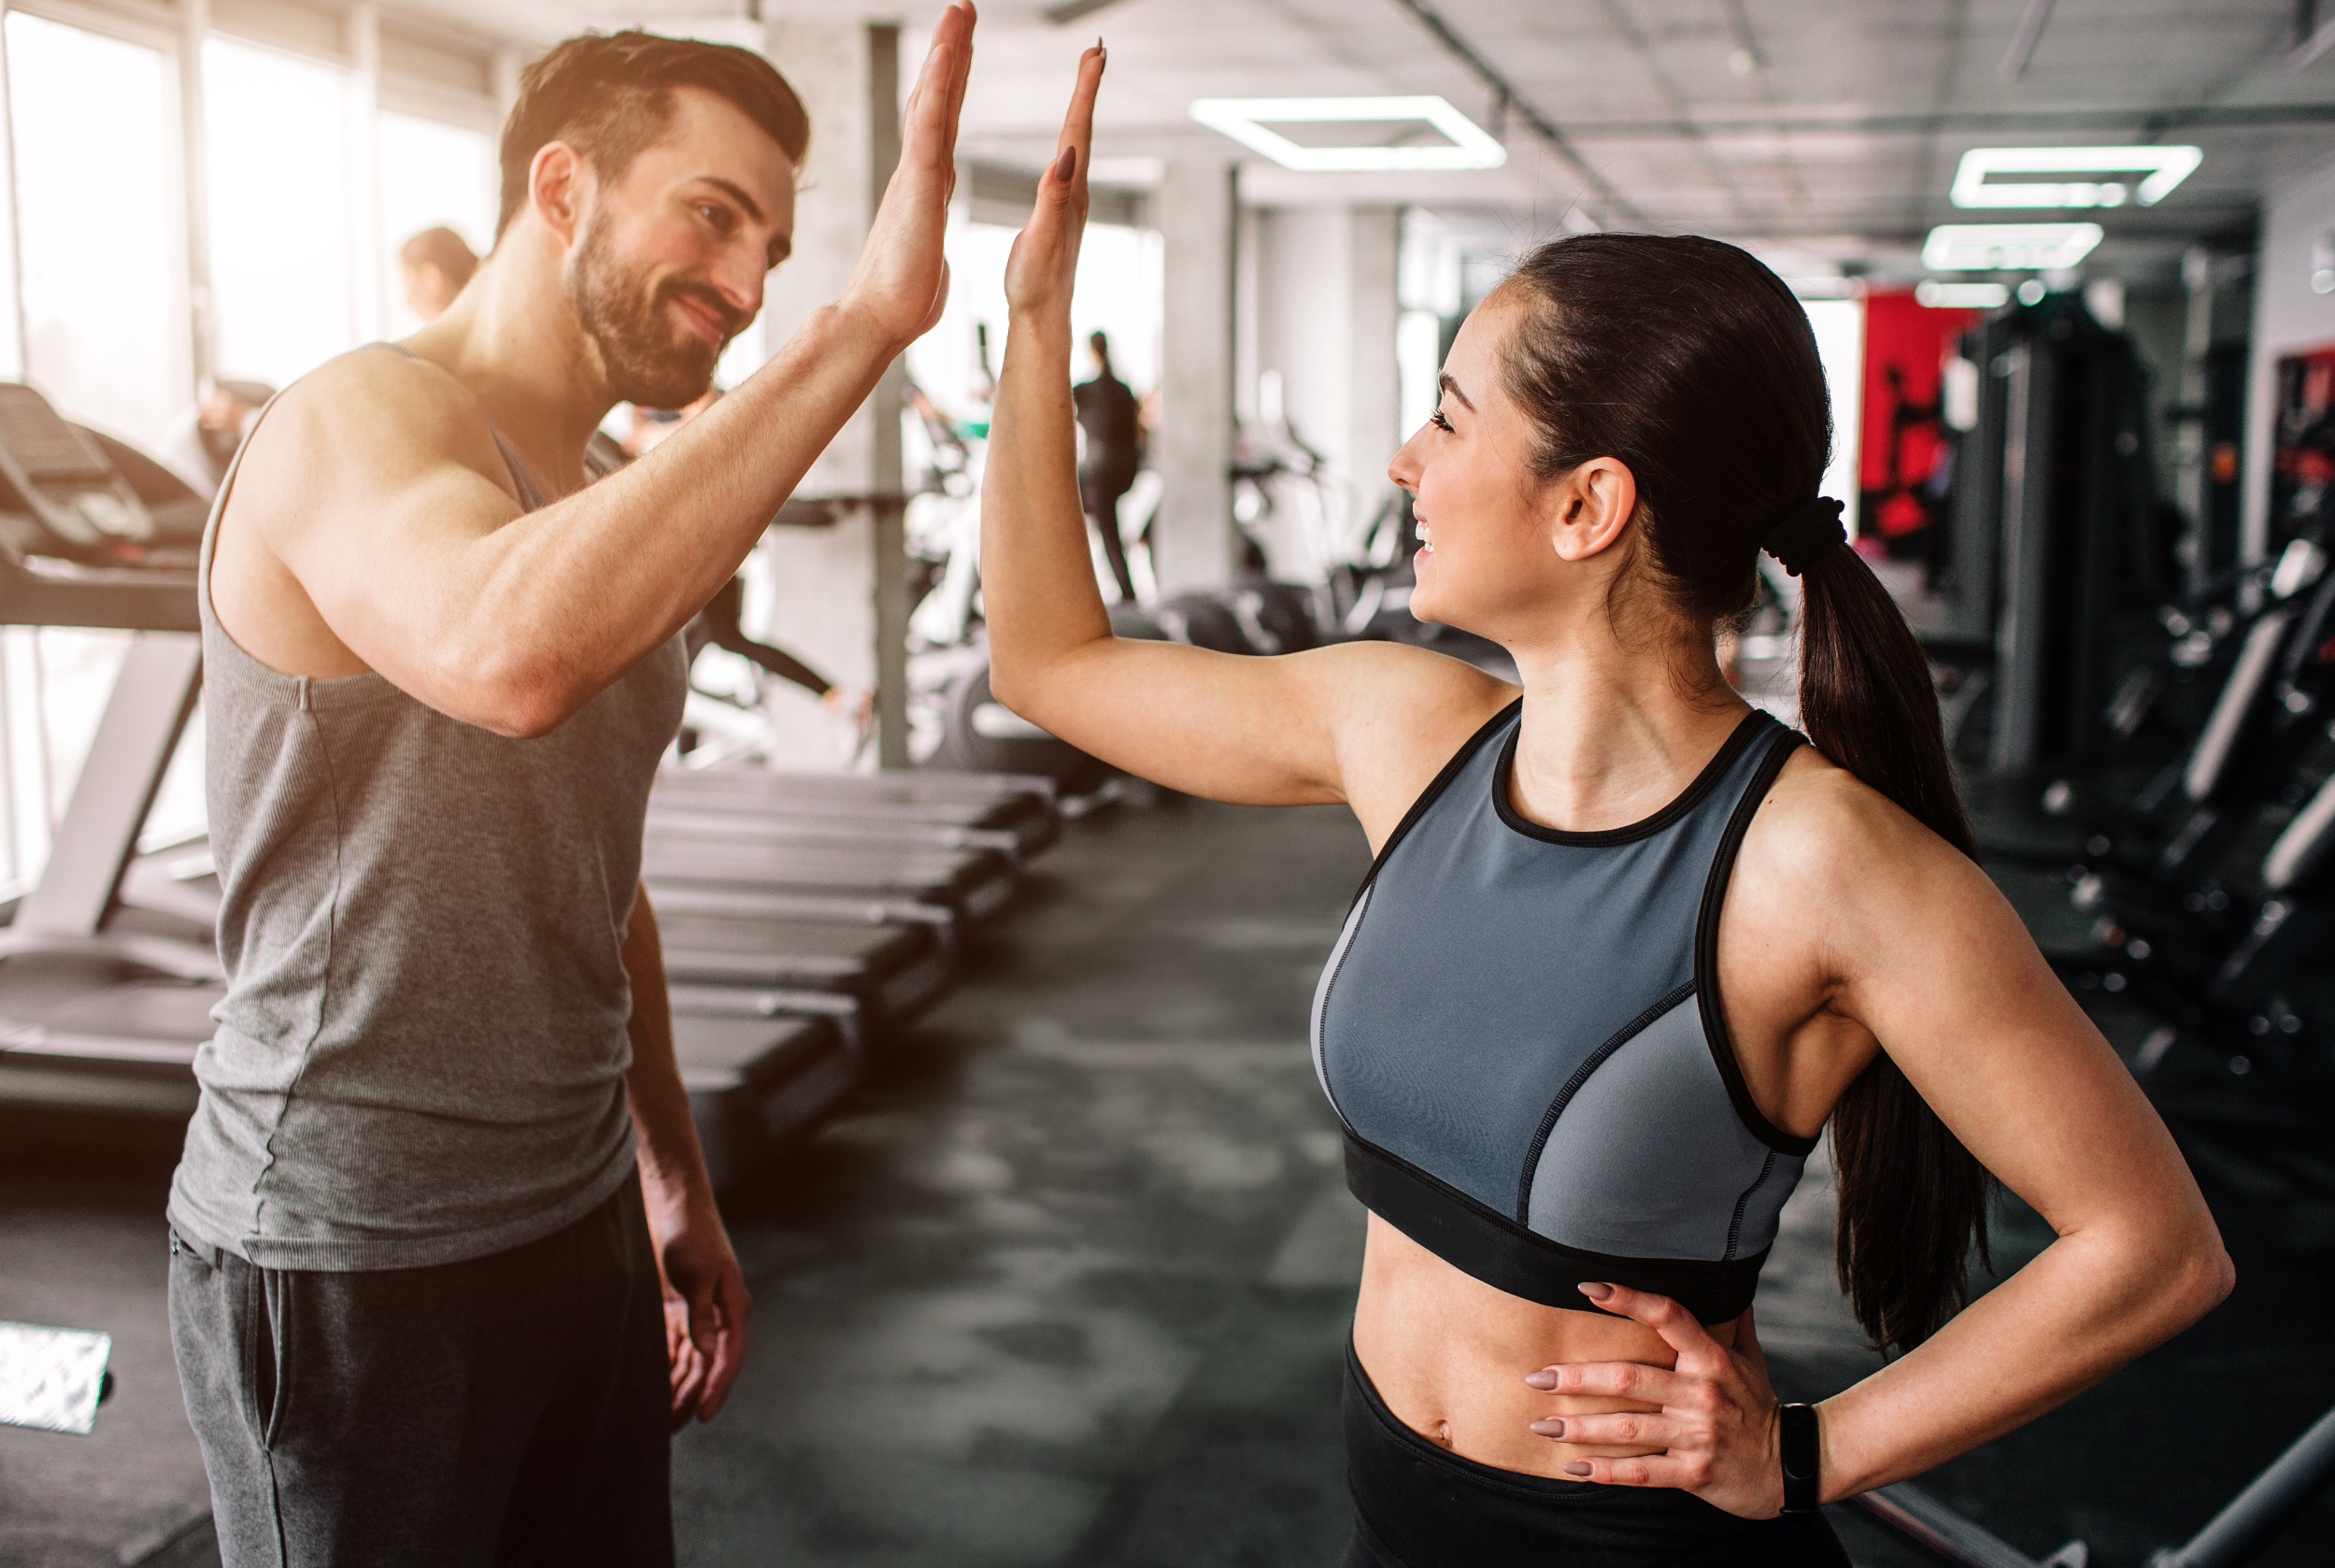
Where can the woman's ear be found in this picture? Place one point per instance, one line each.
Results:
(1591, 506)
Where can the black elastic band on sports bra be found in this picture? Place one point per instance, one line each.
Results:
(1502, 1254)
(1707, 949)
(1504, 778)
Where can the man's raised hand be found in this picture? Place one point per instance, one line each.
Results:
(901, 281)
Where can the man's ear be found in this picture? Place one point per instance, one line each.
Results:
(1591, 506)
(559, 184)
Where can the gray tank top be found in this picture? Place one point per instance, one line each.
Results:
(1520, 1029)
(421, 1056)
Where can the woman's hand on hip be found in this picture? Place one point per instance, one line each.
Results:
(1715, 1426)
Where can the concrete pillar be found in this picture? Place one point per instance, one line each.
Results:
(1374, 385)
(195, 26)
(11, 322)
(361, 24)
(1191, 540)
(837, 595)
(1325, 317)
(888, 482)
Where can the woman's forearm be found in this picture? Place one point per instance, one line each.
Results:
(2082, 1309)
(1037, 580)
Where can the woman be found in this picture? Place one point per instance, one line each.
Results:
(1629, 945)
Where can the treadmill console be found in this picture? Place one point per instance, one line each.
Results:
(66, 498)
(93, 533)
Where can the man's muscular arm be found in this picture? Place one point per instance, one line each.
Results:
(421, 564)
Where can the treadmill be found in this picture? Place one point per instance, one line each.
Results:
(984, 810)
(961, 887)
(103, 1001)
(868, 969)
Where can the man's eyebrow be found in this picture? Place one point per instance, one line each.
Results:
(1444, 381)
(736, 192)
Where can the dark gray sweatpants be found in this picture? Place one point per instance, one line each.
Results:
(506, 1410)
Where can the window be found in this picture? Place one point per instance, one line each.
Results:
(1118, 292)
(104, 298)
(433, 174)
(298, 191)
(280, 166)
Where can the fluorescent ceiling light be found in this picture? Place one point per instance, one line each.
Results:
(2163, 168)
(1145, 171)
(2007, 246)
(1933, 296)
(1468, 144)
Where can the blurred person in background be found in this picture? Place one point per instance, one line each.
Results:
(204, 440)
(723, 623)
(437, 264)
(1111, 418)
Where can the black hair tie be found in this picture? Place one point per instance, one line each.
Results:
(1805, 531)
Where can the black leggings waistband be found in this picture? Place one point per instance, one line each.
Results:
(1418, 1505)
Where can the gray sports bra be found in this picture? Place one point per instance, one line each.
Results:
(1520, 1029)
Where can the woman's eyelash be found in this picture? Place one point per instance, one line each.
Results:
(1437, 420)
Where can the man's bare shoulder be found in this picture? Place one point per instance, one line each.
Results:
(364, 421)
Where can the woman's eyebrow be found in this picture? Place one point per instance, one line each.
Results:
(1452, 387)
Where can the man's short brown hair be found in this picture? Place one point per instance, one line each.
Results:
(610, 96)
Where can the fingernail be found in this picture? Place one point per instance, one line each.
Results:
(1598, 1292)
(1067, 162)
(1544, 1380)
(1549, 1428)
(1576, 1468)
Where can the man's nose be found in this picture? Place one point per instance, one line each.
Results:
(739, 282)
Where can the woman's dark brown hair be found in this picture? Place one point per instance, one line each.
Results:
(1689, 360)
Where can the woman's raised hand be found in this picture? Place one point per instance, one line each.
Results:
(1045, 260)
(901, 281)
(1717, 1427)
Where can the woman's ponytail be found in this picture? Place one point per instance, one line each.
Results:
(1913, 1201)
(1689, 360)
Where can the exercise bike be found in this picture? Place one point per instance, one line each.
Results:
(2236, 1535)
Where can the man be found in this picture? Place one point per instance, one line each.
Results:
(1107, 413)
(443, 1153)
(437, 263)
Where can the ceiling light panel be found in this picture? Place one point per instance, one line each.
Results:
(2007, 246)
(1933, 296)
(2151, 173)
(1249, 121)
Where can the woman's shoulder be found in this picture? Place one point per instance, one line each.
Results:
(1825, 839)
(1402, 713)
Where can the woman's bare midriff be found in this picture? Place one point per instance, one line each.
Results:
(1449, 1354)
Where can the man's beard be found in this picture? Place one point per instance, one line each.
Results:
(646, 362)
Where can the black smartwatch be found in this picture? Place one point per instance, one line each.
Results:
(1797, 1439)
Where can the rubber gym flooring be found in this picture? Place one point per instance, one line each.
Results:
(1067, 1284)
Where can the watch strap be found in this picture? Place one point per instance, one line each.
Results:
(1797, 1443)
